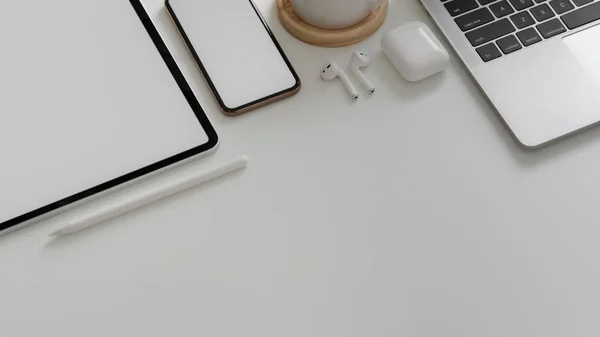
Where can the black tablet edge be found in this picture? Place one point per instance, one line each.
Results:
(212, 86)
(212, 142)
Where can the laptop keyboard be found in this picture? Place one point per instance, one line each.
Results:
(500, 27)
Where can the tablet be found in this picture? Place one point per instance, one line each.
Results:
(91, 98)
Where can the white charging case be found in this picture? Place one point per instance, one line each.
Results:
(415, 51)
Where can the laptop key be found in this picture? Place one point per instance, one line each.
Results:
(474, 19)
(458, 7)
(529, 36)
(551, 28)
(485, 2)
(582, 16)
(509, 44)
(490, 32)
(522, 20)
(542, 12)
(488, 52)
(501, 9)
(580, 3)
(521, 4)
(561, 6)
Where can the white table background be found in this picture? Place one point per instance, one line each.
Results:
(409, 213)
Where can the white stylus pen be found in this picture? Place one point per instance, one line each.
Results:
(148, 197)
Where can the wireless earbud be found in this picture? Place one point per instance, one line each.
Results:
(360, 60)
(331, 70)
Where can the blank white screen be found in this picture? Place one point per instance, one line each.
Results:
(86, 98)
(235, 48)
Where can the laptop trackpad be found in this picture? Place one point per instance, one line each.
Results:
(585, 45)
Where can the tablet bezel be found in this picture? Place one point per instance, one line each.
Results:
(192, 100)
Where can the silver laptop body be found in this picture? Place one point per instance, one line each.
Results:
(537, 61)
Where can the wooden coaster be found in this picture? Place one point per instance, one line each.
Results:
(329, 37)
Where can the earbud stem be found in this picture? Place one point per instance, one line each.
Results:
(364, 81)
(348, 85)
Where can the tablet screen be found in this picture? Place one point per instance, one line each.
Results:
(87, 102)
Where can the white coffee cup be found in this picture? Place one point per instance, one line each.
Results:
(334, 14)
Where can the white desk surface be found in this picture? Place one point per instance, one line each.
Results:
(410, 213)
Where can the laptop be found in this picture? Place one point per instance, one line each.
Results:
(537, 61)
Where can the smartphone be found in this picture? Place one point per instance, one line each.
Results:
(234, 48)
